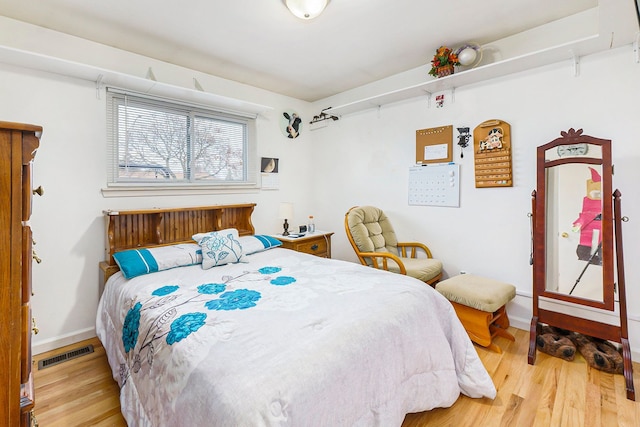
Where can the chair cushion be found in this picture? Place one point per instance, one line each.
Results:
(477, 292)
(371, 230)
(421, 268)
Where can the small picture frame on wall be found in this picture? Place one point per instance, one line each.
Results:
(269, 173)
(269, 165)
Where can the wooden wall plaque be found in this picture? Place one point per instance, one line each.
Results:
(492, 148)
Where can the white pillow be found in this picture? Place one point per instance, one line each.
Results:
(258, 243)
(219, 247)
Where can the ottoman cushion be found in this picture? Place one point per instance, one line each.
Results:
(477, 292)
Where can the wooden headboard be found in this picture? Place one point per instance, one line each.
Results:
(162, 227)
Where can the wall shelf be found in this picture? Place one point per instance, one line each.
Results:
(102, 77)
(482, 73)
(606, 26)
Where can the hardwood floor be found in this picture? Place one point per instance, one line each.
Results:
(553, 392)
(78, 392)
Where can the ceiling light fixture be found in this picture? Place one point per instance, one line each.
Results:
(306, 9)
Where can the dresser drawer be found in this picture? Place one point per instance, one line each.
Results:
(25, 347)
(27, 195)
(27, 255)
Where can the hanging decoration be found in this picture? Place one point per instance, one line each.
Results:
(291, 124)
(322, 116)
(492, 147)
(463, 139)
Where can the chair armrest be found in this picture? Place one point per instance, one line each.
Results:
(380, 260)
(403, 246)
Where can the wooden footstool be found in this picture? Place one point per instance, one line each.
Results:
(480, 305)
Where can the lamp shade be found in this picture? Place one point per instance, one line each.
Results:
(286, 210)
(306, 9)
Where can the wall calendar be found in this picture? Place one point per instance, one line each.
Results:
(435, 185)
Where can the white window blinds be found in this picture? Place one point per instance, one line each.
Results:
(156, 142)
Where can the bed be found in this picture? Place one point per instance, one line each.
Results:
(278, 338)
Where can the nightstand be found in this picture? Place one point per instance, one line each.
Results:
(317, 243)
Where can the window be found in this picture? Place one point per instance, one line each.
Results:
(154, 142)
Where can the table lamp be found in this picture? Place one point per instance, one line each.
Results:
(286, 212)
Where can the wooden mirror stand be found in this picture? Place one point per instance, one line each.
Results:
(577, 243)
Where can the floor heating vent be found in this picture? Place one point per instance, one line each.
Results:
(71, 354)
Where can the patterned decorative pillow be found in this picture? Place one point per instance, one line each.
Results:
(258, 243)
(219, 247)
(136, 262)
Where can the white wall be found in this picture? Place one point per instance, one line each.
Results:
(365, 157)
(67, 222)
(361, 159)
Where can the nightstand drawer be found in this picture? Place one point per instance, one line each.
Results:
(315, 244)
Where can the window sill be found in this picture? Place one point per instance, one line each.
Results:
(134, 191)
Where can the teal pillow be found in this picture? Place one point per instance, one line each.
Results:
(258, 243)
(136, 262)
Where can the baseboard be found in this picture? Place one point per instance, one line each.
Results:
(57, 342)
(519, 323)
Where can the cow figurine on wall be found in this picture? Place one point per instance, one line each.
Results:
(493, 140)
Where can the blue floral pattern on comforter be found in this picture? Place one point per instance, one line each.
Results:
(170, 326)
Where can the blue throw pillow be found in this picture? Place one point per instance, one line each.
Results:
(258, 243)
(136, 262)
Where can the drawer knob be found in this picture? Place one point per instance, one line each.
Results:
(314, 247)
(39, 191)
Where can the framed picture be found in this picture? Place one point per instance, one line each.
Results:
(269, 173)
(269, 165)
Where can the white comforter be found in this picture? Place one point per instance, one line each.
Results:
(288, 339)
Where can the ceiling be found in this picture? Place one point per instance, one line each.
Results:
(258, 42)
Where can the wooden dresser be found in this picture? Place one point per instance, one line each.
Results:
(18, 145)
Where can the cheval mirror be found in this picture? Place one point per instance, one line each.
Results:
(577, 243)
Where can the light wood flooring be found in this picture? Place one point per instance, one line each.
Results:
(553, 392)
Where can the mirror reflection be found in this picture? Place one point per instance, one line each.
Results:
(574, 230)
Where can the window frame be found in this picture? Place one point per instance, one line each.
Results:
(117, 187)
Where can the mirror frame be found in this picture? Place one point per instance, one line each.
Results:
(539, 202)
